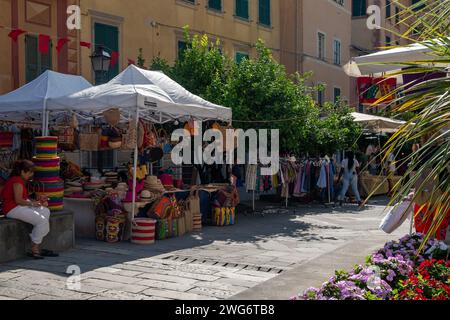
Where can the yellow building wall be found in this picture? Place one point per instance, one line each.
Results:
(5, 47)
(156, 26)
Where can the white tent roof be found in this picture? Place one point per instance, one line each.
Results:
(32, 96)
(375, 62)
(153, 91)
(377, 123)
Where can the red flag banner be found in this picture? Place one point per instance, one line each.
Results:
(44, 43)
(130, 61)
(14, 34)
(114, 58)
(85, 44)
(61, 43)
(371, 89)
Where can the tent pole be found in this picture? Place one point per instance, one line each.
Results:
(133, 201)
(44, 118)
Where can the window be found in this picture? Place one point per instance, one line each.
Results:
(182, 46)
(397, 15)
(359, 8)
(337, 52)
(388, 41)
(107, 36)
(337, 94)
(388, 9)
(241, 56)
(190, 1)
(242, 9)
(36, 62)
(415, 5)
(215, 5)
(321, 96)
(321, 45)
(264, 12)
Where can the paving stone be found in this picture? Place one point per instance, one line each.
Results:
(122, 295)
(175, 295)
(162, 277)
(216, 293)
(7, 298)
(238, 276)
(166, 285)
(238, 282)
(220, 286)
(14, 293)
(109, 277)
(8, 276)
(172, 273)
(133, 288)
(260, 274)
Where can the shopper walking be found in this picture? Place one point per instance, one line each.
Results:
(17, 205)
(350, 172)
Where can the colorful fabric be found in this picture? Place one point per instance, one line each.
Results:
(223, 216)
(46, 147)
(423, 221)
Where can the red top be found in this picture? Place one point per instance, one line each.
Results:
(9, 202)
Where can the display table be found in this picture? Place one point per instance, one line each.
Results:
(377, 184)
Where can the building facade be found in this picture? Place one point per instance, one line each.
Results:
(365, 41)
(156, 26)
(316, 38)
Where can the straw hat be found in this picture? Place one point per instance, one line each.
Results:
(152, 183)
(112, 116)
(147, 196)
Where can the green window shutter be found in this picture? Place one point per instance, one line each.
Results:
(359, 8)
(108, 36)
(182, 46)
(46, 60)
(264, 12)
(215, 4)
(241, 56)
(31, 58)
(242, 9)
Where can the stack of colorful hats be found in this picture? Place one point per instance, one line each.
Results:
(46, 172)
(111, 178)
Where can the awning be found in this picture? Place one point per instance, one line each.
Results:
(376, 123)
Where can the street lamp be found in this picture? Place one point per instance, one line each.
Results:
(101, 61)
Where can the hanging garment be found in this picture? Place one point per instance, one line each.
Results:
(298, 183)
(275, 182)
(322, 181)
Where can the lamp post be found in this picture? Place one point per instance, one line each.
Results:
(101, 61)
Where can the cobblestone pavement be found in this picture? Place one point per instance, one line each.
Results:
(217, 263)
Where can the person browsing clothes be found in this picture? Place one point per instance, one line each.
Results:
(17, 205)
(350, 171)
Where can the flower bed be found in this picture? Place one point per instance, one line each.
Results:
(395, 272)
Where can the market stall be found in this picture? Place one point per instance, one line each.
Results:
(131, 105)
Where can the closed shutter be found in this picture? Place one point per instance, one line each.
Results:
(46, 60)
(215, 4)
(264, 12)
(242, 9)
(31, 58)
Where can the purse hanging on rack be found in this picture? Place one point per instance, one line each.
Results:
(130, 137)
(89, 141)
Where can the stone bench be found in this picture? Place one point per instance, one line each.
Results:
(15, 240)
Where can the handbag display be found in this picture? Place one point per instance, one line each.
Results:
(66, 138)
(89, 141)
(396, 216)
(130, 137)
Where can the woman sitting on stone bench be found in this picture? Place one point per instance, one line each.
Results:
(17, 205)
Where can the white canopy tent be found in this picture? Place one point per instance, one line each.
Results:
(34, 96)
(376, 123)
(156, 95)
(142, 93)
(388, 60)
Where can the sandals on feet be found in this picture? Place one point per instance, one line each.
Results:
(49, 253)
(35, 255)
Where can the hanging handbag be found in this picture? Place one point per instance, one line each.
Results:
(192, 126)
(89, 141)
(150, 135)
(112, 116)
(130, 137)
(396, 216)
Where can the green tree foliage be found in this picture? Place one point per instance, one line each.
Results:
(262, 95)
